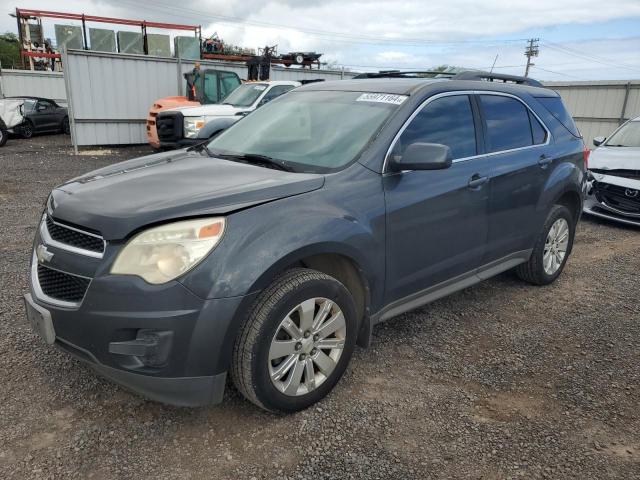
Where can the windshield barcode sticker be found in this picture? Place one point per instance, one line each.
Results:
(381, 98)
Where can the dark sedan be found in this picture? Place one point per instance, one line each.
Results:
(42, 115)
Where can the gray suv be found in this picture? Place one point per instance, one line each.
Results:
(268, 253)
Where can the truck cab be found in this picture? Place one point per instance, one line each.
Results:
(202, 87)
(188, 125)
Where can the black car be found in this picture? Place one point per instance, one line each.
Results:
(42, 115)
(268, 253)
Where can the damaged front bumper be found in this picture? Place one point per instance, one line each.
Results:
(613, 197)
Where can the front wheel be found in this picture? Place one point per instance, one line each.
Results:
(296, 342)
(552, 248)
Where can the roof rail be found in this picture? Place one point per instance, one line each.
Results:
(496, 77)
(404, 74)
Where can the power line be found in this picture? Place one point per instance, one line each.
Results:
(552, 71)
(334, 36)
(591, 55)
(589, 58)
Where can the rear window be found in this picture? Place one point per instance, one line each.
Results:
(508, 124)
(558, 110)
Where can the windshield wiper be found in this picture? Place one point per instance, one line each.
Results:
(255, 159)
(202, 146)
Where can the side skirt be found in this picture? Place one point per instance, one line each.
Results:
(450, 286)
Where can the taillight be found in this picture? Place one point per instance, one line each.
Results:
(585, 157)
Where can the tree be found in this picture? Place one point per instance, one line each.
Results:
(9, 50)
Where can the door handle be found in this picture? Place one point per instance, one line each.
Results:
(477, 181)
(544, 161)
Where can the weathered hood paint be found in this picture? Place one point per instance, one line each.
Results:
(121, 198)
(615, 158)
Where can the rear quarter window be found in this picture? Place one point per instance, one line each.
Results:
(556, 108)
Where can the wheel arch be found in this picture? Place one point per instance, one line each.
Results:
(335, 260)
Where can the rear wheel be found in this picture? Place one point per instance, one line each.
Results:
(552, 248)
(26, 130)
(66, 129)
(4, 135)
(296, 343)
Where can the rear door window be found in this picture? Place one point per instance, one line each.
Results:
(508, 124)
(537, 130)
(448, 121)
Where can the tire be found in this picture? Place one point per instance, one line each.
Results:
(253, 364)
(26, 130)
(534, 271)
(4, 136)
(65, 127)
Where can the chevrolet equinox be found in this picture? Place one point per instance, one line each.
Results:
(270, 252)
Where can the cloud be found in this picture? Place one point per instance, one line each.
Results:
(371, 34)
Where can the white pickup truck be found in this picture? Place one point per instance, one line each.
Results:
(185, 126)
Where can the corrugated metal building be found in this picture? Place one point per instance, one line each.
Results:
(599, 107)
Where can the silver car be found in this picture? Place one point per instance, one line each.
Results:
(614, 175)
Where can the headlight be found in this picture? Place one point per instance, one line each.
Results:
(163, 253)
(192, 125)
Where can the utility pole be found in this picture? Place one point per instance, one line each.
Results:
(531, 51)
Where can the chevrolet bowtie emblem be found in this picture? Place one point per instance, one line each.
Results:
(43, 254)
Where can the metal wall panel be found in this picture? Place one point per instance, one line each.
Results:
(111, 93)
(33, 83)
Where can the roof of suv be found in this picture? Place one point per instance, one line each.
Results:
(411, 86)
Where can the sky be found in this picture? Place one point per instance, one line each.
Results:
(579, 39)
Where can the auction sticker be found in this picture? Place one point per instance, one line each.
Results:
(381, 98)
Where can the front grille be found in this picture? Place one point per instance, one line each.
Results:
(617, 197)
(169, 126)
(74, 238)
(62, 286)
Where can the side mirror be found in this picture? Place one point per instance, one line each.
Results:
(263, 101)
(423, 156)
(597, 141)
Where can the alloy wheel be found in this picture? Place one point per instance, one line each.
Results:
(555, 247)
(307, 346)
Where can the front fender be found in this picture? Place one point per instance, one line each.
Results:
(260, 242)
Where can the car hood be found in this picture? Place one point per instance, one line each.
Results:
(216, 110)
(615, 158)
(121, 198)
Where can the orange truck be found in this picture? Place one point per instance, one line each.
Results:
(203, 87)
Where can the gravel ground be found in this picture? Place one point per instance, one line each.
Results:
(502, 380)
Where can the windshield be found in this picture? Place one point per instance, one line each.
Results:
(316, 131)
(627, 136)
(245, 95)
